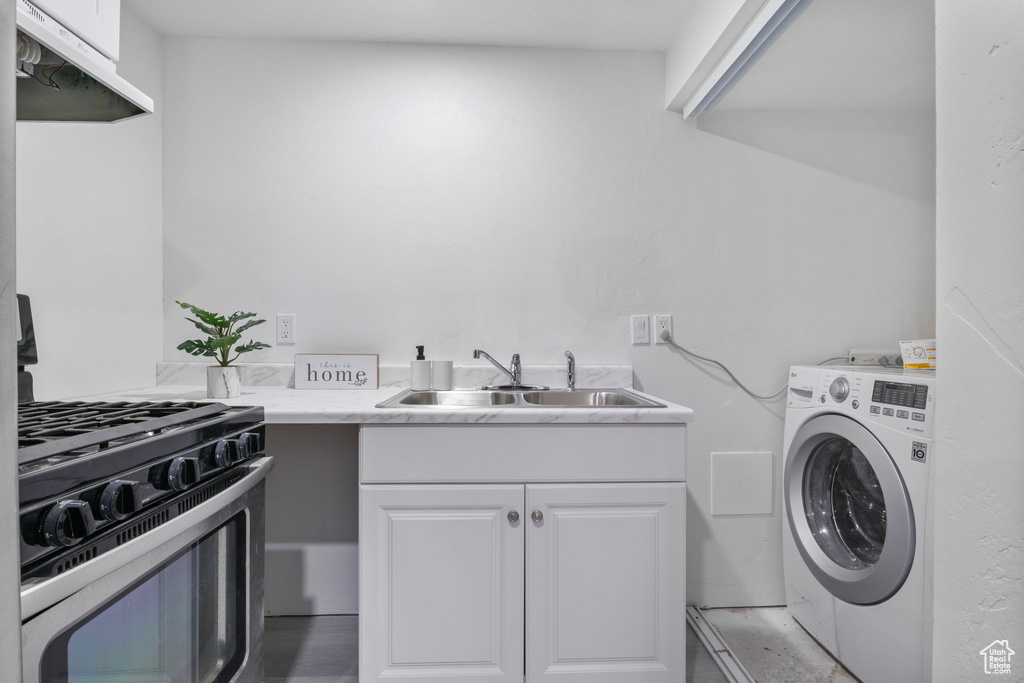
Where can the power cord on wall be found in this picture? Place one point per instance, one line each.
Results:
(668, 337)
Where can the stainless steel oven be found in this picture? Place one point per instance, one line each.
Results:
(173, 590)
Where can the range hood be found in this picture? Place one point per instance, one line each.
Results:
(63, 78)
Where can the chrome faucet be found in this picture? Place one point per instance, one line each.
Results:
(514, 372)
(514, 375)
(571, 383)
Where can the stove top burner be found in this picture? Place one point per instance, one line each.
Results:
(54, 431)
(87, 468)
(65, 444)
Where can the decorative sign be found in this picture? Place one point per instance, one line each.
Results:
(337, 371)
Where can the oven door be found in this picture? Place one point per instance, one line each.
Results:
(184, 605)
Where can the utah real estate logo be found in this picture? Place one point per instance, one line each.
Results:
(997, 657)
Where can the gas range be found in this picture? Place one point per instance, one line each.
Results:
(142, 540)
(95, 475)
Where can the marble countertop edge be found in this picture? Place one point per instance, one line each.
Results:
(283, 405)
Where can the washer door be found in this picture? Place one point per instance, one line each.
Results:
(849, 510)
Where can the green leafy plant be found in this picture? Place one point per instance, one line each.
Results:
(222, 334)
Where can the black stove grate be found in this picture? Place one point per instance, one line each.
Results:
(55, 431)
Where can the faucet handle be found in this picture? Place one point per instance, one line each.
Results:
(571, 375)
(517, 370)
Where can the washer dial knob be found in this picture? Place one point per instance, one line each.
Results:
(839, 390)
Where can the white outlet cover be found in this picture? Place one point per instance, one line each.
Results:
(285, 329)
(662, 322)
(742, 483)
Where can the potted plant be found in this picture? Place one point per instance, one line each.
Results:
(222, 380)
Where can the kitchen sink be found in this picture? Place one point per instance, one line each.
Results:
(468, 399)
(480, 398)
(589, 398)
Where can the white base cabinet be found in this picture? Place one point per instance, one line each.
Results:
(605, 599)
(576, 581)
(441, 584)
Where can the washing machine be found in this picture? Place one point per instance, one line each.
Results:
(858, 454)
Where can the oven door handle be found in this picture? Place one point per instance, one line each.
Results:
(37, 596)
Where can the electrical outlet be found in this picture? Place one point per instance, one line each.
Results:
(661, 323)
(640, 329)
(285, 329)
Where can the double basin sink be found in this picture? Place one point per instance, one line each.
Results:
(485, 398)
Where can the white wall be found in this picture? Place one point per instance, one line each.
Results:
(89, 238)
(783, 255)
(530, 200)
(979, 521)
(397, 195)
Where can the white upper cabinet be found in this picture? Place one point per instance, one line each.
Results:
(97, 22)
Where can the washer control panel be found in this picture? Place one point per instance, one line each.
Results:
(886, 397)
(900, 394)
(910, 401)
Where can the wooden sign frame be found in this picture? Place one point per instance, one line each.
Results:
(344, 371)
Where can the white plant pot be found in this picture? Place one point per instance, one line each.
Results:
(223, 382)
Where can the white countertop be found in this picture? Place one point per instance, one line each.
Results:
(285, 405)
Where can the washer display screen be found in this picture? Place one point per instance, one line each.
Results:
(899, 394)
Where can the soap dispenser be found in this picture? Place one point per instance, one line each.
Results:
(419, 372)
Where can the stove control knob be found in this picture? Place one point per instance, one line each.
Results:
(249, 445)
(840, 389)
(67, 523)
(183, 473)
(120, 499)
(226, 453)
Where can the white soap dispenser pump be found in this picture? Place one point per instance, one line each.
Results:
(419, 372)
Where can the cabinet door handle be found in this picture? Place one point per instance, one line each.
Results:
(513, 517)
(537, 516)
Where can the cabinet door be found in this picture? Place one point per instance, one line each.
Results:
(441, 583)
(606, 583)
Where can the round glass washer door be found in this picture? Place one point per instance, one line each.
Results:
(849, 510)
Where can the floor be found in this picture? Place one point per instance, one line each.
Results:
(311, 649)
(326, 650)
(774, 648)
